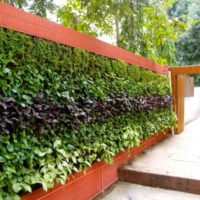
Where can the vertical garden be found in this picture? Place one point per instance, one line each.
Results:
(62, 109)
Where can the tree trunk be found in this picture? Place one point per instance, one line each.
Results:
(117, 29)
(117, 23)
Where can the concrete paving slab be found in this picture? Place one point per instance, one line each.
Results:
(128, 191)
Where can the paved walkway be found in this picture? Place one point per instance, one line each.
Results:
(128, 191)
(176, 156)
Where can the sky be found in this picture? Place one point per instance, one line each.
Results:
(60, 2)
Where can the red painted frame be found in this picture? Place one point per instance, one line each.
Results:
(19, 20)
(85, 186)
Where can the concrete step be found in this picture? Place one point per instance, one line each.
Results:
(172, 164)
(127, 191)
(167, 181)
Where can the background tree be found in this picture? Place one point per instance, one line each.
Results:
(41, 7)
(95, 17)
(188, 44)
(149, 32)
(141, 26)
(38, 7)
(16, 3)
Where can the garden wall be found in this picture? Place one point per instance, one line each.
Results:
(69, 102)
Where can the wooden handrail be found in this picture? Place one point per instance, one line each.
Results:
(178, 88)
(190, 69)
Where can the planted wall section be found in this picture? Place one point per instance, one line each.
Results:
(63, 108)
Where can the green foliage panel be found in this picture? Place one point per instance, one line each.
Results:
(32, 67)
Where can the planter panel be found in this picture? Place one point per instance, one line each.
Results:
(85, 187)
(39, 194)
(110, 171)
(60, 194)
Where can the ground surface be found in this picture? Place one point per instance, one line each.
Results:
(128, 191)
(176, 156)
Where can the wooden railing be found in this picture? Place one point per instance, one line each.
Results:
(189, 86)
(178, 86)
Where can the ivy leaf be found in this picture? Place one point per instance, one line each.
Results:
(26, 187)
(10, 148)
(44, 185)
(17, 187)
(39, 153)
(1, 159)
(57, 143)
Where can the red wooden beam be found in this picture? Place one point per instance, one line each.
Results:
(189, 69)
(19, 20)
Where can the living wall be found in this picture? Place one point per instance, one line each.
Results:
(63, 109)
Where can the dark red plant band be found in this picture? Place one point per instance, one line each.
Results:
(42, 115)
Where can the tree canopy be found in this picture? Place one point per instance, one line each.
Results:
(38, 7)
(188, 44)
(148, 32)
(140, 26)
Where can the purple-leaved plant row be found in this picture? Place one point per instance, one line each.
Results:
(41, 116)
